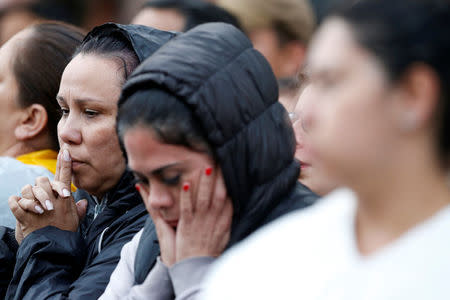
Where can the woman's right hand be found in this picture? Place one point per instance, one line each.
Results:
(204, 222)
(205, 218)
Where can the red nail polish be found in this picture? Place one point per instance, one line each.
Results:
(186, 187)
(138, 188)
(208, 171)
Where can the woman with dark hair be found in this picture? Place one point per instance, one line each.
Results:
(213, 152)
(31, 65)
(60, 255)
(380, 125)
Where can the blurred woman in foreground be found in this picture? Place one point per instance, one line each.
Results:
(380, 125)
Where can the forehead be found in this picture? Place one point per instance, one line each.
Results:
(91, 77)
(146, 152)
(333, 45)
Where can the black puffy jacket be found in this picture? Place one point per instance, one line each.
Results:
(233, 94)
(56, 264)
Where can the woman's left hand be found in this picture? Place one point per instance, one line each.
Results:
(205, 218)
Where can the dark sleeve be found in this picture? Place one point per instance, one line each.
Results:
(48, 261)
(51, 265)
(95, 277)
(8, 249)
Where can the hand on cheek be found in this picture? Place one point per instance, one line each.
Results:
(205, 218)
(166, 236)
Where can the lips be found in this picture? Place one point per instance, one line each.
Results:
(77, 164)
(304, 165)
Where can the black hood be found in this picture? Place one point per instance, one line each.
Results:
(233, 94)
(144, 40)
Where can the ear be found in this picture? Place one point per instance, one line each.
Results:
(293, 55)
(419, 97)
(33, 122)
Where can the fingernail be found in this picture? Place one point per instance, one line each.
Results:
(208, 171)
(138, 188)
(39, 209)
(66, 155)
(186, 187)
(66, 193)
(49, 204)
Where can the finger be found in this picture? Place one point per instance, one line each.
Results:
(204, 191)
(41, 195)
(65, 171)
(61, 189)
(45, 184)
(27, 192)
(166, 237)
(224, 224)
(224, 221)
(81, 208)
(17, 211)
(58, 166)
(31, 206)
(186, 207)
(220, 193)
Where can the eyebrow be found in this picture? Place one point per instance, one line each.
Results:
(158, 171)
(79, 101)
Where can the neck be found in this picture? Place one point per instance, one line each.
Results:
(17, 150)
(398, 198)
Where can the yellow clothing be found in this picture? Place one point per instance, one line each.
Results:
(43, 158)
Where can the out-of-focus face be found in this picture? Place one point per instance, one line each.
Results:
(10, 112)
(162, 169)
(88, 95)
(351, 123)
(163, 19)
(311, 175)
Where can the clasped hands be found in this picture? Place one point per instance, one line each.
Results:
(48, 203)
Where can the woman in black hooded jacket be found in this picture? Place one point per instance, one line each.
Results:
(60, 256)
(222, 157)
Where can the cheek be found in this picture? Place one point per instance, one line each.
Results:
(349, 129)
(102, 143)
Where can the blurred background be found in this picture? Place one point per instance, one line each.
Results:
(17, 14)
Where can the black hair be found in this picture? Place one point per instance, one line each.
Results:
(196, 12)
(171, 120)
(39, 65)
(401, 34)
(111, 45)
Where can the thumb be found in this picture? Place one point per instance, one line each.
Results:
(81, 208)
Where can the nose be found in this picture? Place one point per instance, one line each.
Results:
(159, 197)
(69, 130)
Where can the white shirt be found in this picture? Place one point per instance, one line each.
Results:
(312, 255)
(14, 175)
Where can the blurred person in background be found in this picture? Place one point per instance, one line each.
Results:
(31, 65)
(63, 255)
(213, 152)
(380, 125)
(175, 15)
(280, 30)
(17, 15)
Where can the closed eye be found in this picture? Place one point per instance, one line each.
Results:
(91, 113)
